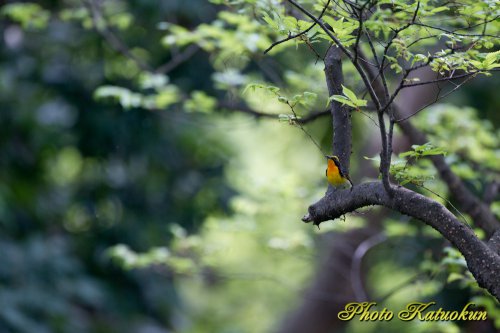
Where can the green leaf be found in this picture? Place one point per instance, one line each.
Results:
(342, 99)
(29, 15)
(349, 98)
(347, 92)
(166, 97)
(200, 102)
(289, 118)
(439, 9)
(253, 86)
(124, 96)
(426, 149)
(283, 99)
(454, 277)
(305, 98)
(153, 81)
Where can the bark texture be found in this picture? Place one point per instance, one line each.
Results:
(482, 260)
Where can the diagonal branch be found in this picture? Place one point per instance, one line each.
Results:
(178, 59)
(244, 108)
(438, 98)
(482, 260)
(290, 36)
(337, 42)
(479, 212)
(113, 40)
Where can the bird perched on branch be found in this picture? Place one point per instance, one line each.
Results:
(335, 173)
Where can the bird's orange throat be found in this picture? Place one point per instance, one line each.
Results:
(333, 174)
(332, 167)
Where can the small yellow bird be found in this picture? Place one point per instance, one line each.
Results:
(335, 173)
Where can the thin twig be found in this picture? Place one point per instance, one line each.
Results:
(178, 59)
(114, 41)
(304, 130)
(454, 32)
(344, 50)
(290, 36)
(438, 98)
(449, 202)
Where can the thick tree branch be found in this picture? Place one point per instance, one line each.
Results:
(384, 155)
(494, 242)
(482, 260)
(469, 203)
(491, 191)
(341, 115)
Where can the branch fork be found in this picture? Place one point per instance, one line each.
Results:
(483, 260)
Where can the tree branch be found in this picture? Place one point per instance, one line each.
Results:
(113, 40)
(337, 42)
(178, 59)
(479, 212)
(492, 190)
(438, 98)
(244, 108)
(482, 260)
(448, 78)
(454, 32)
(290, 36)
(341, 115)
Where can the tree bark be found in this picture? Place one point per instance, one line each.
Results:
(341, 115)
(483, 261)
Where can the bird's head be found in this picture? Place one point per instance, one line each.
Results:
(334, 158)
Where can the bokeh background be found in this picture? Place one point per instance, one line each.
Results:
(133, 202)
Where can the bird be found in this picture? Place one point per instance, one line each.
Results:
(335, 173)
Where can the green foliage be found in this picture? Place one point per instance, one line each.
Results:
(125, 97)
(445, 129)
(437, 22)
(164, 96)
(47, 284)
(489, 62)
(29, 15)
(215, 268)
(80, 176)
(490, 306)
(408, 173)
(129, 259)
(112, 14)
(413, 174)
(285, 24)
(231, 39)
(349, 98)
(200, 102)
(304, 99)
(426, 149)
(253, 86)
(202, 208)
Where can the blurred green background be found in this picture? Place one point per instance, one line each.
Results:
(131, 202)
